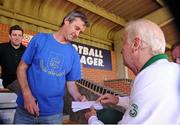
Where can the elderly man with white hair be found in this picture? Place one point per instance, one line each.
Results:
(155, 94)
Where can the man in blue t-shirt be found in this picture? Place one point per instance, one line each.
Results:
(48, 63)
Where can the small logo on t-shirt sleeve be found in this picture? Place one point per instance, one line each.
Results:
(134, 110)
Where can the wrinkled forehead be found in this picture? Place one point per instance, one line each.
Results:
(79, 23)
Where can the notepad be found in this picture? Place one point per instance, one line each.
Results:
(77, 106)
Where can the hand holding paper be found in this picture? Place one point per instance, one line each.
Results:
(77, 106)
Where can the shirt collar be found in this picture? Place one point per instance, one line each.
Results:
(10, 45)
(154, 59)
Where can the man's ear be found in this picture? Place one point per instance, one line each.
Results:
(66, 21)
(9, 36)
(136, 44)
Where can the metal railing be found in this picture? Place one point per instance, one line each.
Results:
(98, 88)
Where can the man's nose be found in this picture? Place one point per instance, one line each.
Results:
(77, 33)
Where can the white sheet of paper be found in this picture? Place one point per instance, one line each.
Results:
(77, 106)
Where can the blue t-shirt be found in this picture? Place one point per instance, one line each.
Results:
(51, 64)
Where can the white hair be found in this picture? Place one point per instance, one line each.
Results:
(149, 32)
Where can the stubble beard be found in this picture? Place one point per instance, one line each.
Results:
(70, 38)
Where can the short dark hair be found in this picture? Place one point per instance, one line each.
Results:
(76, 14)
(15, 27)
(175, 45)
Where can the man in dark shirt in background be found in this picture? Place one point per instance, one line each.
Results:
(10, 55)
